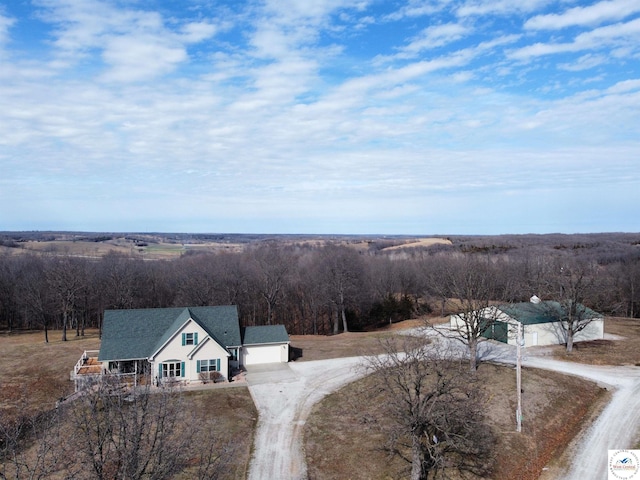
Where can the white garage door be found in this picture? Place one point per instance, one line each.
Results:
(257, 354)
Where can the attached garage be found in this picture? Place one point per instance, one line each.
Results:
(265, 344)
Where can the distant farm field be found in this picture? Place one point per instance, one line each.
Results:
(422, 242)
(163, 247)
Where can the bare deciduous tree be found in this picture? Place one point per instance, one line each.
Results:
(343, 273)
(126, 434)
(30, 446)
(437, 409)
(468, 286)
(272, 266)
(574, 282)
(65, 276)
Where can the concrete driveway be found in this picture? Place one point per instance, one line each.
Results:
(269, 373)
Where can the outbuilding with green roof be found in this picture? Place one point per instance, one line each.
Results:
(543, 323)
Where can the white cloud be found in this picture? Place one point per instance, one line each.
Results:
(619, 31)
(625, 86)
(418, 8)
(585, 62)
(5, 25)
(435, 36)
(473, 8)
(591, 15)
(135, 44)
(195, 32)
(617, 35)
(286, 117)
(135, 58)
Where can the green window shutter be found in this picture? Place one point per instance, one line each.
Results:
(217, 365)
(184, 339)
(159, 370)
(198, 365)
(182, 372)
(195, 338)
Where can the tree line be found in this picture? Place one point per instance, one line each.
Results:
(313, 289)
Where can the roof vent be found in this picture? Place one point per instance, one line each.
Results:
(534, 299)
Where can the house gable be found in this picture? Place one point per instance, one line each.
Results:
(182, 341)
(207, 345)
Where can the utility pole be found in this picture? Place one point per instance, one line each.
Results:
(519, 378)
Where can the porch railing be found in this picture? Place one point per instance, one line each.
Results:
(83, 360)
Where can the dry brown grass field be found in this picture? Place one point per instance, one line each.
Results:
(624, 350)
(33, 375)
(555, 408)
(352, 446)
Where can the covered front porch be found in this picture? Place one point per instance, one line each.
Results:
(88, 369)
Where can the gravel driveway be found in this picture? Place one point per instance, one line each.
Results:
(618, 425)
(284, 398)
(285, 393)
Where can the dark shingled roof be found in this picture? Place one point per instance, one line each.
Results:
(529, 313)
(264, 334)
(137, 334)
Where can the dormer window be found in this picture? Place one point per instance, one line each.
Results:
(190, 338)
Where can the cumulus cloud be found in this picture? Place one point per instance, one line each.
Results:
(134, 44)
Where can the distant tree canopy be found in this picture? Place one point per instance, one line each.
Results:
(323, 287)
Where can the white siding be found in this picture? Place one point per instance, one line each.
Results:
(174, 350)
(209, 351)
(257, 354)
(593, 331)
(553, 334)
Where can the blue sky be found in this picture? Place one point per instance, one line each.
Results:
(325, 116)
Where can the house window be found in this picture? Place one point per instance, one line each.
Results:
(171, 369)
(208, 365)
(190, 338)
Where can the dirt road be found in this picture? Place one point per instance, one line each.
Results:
(617, 427)
(285, 395)
(284, 398)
